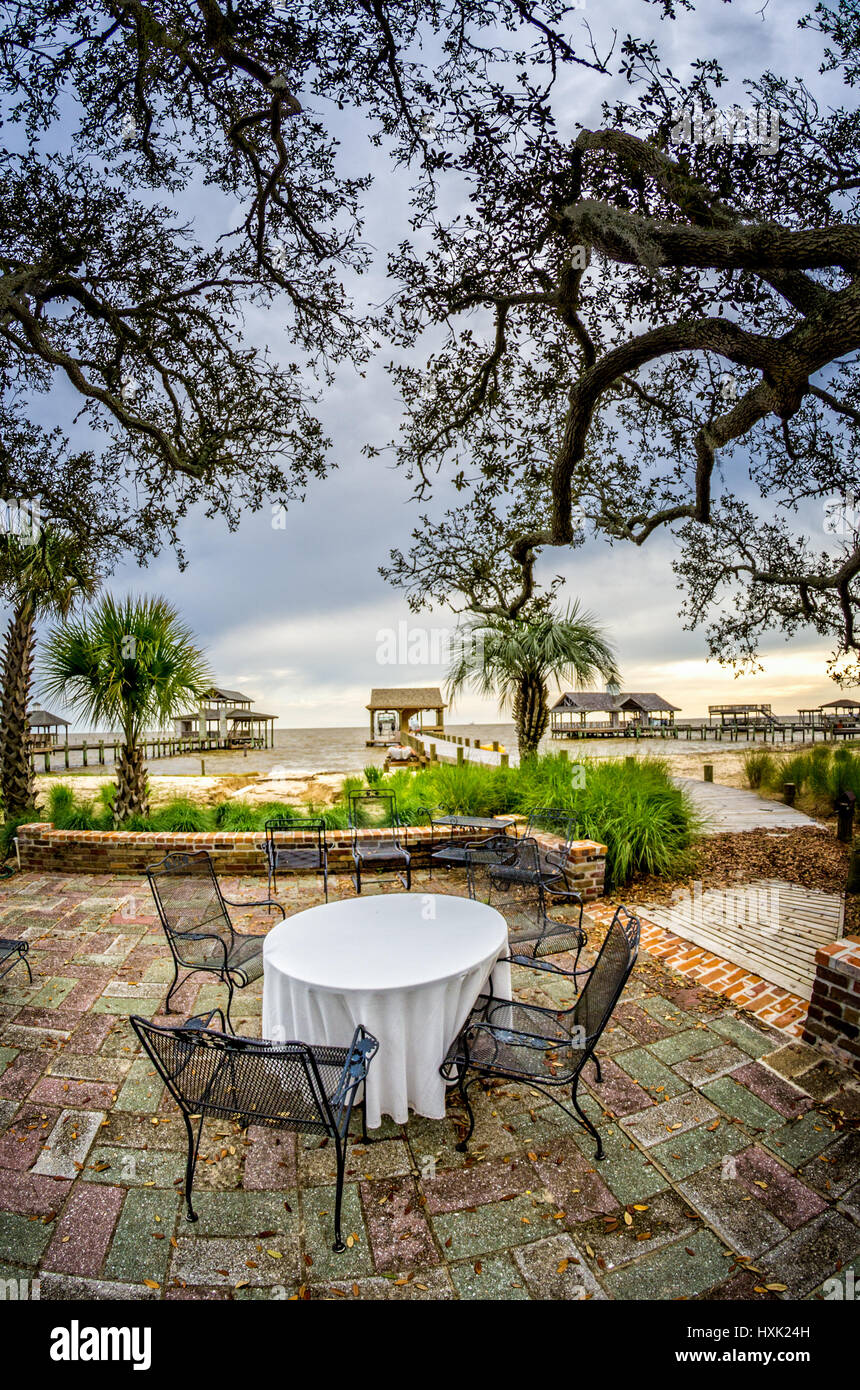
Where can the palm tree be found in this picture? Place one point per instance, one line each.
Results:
(42, 577)
(128, 664)
(516, 658)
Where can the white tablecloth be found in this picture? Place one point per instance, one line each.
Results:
(409, 966)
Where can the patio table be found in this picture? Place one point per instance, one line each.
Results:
(409, 966)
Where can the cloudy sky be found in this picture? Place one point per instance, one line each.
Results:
(295, 616)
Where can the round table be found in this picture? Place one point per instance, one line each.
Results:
(409, 966)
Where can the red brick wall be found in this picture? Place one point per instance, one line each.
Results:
(833, 1020)
(42, 849)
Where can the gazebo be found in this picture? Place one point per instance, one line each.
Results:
(840, 713)
(45, 729)
(218, 709)
(391, 710)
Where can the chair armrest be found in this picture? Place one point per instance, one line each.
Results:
(362, 1050)
(263, 902)
(204, 1020)
(500, 842)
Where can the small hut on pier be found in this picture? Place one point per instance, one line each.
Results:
(45, 729)
(228, 715)
(391, 710)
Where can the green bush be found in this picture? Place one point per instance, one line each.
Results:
(9, 829)
(758, 768)
(180, 815)
(236, 815)
(61, 804)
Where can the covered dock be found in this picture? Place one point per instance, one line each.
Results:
(392, 708)
(621, 714)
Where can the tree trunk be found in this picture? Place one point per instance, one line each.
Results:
(531, 715)
(131, 788)
(17, 783)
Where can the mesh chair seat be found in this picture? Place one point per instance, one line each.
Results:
(544, 868)
(299, 858)
(378, 849)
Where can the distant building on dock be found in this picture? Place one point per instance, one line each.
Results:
(45, 729)
(619, 713)
(392, 708)
(229, 716)
(842, 714)
(743, 716)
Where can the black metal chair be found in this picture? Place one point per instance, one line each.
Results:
(545, 1047)
(527, 860)
(287, 854)
(193, 913)
(377, 810)
(284, 1085)
(533, 934)
(13, 952)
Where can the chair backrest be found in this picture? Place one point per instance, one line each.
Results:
(372, 810)
(287, 1085)
(608, 976)
(188, 898)
(550, 821)
(282, 825)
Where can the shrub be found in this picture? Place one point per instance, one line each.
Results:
(180, 815)
(61, 805)
(373, 774)
(758, 768)
(236, 815)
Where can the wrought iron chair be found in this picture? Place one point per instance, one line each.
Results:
(545, 1047)
(11, 952)
(533, 934)
(528, 861)
(193, 913)
(282, 854)
(284, 1085)
(377, 810)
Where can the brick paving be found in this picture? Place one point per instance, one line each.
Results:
(732, 1168)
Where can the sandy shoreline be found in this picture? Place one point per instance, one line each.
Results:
(323, 787)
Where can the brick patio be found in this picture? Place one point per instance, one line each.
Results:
(733, 1150)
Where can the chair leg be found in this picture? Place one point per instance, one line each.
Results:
(596, 1060)
(339, 1243)
(29, 971)
(463, 1089)
(167, 1008)
(325, 880)
(584, 1118)
(191, 1163)
(229, 984)
(408, 875)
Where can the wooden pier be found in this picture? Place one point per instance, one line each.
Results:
(718, 733)
(98, 752)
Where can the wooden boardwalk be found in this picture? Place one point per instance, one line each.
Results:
(768, 926)
(735, 809)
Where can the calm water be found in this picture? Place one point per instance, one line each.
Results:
(343, 750)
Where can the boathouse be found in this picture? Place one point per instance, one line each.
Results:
(581, 713)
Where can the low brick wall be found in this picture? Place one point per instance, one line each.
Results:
(833, 1020)
(42, 849)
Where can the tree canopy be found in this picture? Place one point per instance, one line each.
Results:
(111, 110)
(653, 325)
